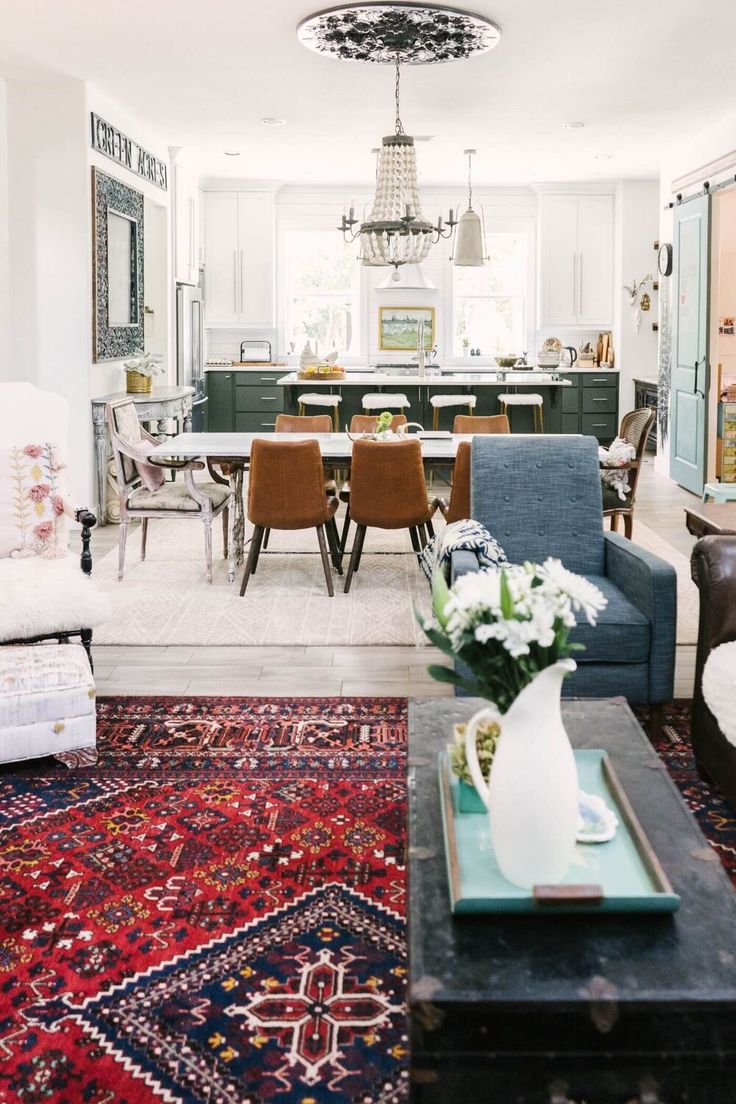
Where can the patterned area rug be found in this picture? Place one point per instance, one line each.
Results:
(214, 913)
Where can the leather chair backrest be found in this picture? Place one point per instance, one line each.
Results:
(387, 486)
(303, 423)
(459, 506)
(489, 423)
(366, 423)
(286, 485)
(540, 496)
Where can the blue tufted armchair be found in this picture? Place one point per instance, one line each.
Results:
(541, 496)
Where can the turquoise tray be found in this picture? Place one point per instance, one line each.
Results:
(623, 875)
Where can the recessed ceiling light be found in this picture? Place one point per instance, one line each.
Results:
(603, 156)
(273, 121)
(574, 125)
(232, 153)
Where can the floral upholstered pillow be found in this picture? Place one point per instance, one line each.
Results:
(32, 519)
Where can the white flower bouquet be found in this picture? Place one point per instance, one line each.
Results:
(508, 623)
(145, 364)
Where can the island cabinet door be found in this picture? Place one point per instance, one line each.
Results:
(220, 407)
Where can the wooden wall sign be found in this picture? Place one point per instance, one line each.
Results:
(117, 146)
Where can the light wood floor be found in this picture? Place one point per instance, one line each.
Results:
(329, 671)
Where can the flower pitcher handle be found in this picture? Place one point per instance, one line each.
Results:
(489, 713)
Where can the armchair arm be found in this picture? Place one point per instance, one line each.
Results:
(88, 521)
(462, 563)
(713, 564)
(650, 584)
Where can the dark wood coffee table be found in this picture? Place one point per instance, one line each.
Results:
(608, 1008)
(711, 519)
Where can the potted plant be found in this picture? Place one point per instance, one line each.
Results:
(509, 628)
(466, 346)
(140, 370)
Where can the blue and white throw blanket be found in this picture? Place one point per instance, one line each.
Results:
(461, 536)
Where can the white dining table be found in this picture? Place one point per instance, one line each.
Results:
(336, 448)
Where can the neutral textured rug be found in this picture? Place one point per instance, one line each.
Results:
(166, 600)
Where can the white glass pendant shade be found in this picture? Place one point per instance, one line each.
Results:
(396, 232)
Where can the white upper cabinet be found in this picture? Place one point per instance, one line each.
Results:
(186, 227)
(239, 259)
(576, 260)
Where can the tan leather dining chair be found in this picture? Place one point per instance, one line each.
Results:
(361, 423)
(387, 491)
(297, 423)
(489, 423)
(286, 491)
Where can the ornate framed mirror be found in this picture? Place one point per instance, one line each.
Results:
(117, 277)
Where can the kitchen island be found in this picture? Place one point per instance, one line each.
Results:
(582, 401)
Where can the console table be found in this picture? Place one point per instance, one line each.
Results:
(557, 1008)
(157, 407)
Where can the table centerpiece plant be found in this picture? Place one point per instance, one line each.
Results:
(509, 629)
(140, 370)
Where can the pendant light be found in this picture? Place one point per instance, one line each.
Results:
(396, 232)
(470, 240)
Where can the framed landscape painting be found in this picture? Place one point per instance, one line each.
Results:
(398, 327)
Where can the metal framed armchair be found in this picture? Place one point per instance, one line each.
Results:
(187, 499)
(635, 429)
(541, 497)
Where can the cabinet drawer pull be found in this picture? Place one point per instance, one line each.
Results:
(268, 425)
(603, 398)
(268, 398)
(601, 380)
(265, 379)
(600, 425)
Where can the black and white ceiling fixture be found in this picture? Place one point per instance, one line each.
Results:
(396, 232)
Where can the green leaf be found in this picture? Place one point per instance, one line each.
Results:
(440, 597)
(507, 602)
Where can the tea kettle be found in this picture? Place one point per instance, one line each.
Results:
(568, 356)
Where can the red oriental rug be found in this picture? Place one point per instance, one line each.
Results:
(213, 913)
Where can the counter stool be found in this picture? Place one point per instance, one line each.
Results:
(441, 402)
(379, 400)
(318, 398)
(528, 399)
(719, 492)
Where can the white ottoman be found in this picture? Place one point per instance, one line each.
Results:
(47, 703)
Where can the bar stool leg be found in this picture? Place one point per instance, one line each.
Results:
(301, 409)
(436, 418)
(471, 408)
(336, 418)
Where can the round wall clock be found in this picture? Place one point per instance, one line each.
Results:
(664, 262)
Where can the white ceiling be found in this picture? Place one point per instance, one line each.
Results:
(639, 73)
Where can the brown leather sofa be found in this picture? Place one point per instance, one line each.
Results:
(713, 566)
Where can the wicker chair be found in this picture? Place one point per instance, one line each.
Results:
(635, 427)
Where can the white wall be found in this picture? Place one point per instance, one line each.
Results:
(4, 275)
(638, 202)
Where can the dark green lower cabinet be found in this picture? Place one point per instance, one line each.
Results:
(219, 406)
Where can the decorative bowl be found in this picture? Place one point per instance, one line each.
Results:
(506, 361)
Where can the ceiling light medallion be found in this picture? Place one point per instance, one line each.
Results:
(396, 232)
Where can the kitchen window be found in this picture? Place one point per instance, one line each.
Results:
(490, 302)
(322, 292)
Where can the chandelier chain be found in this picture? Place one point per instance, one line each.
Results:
(399, 125)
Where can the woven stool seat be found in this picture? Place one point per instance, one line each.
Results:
(322, 398)
(383, 401)
(529, 399)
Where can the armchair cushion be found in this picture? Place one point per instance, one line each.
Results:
(175, 496)
(42, 597)
(622, 634)
(32, 501)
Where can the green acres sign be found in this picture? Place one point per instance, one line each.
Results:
(114, 144)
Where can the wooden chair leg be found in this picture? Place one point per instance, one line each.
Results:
(226, 532)
(336, 419)
(355, 555)
(333, 540)
(430, 530)
(436, 418)
(360, 551)
(144, 537)
(422, 532)
(122, 538)
(415, 541)
(614, 523)
(345, 530)
(325, 559)
(266, 535)
(656, 720)
(252, 562)
(628, 526)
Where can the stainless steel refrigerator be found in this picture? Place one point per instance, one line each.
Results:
(190, 347)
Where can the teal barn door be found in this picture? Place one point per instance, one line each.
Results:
(690, 375)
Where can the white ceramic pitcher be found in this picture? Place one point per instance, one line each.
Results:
(532, 797)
